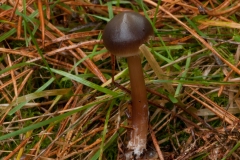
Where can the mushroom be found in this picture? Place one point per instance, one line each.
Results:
(123, 36)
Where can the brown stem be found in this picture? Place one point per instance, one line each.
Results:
(139, 117)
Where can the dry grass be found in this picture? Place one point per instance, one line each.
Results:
(57, 100)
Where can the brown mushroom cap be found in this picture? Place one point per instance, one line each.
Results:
(124, 34)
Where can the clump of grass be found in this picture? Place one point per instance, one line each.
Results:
(57, 100)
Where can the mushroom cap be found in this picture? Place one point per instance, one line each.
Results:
(124, 34)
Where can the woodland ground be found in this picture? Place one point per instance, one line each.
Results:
(56, 96)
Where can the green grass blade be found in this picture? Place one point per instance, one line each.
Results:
(13, 67)
(111, 140)
(232, 150)
(179, 87)
(110, 10)
(26, 98)
(7, 34)
(167, 60)
(105, 129)
(18, 107)
(85, 82)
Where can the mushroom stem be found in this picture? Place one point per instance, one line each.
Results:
(139, 117)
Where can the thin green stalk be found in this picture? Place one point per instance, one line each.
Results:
(232, 150)
(105, 129)
(179, 87)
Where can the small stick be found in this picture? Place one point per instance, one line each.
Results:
(160, 155)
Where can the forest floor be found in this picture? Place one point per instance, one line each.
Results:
(57, 99)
